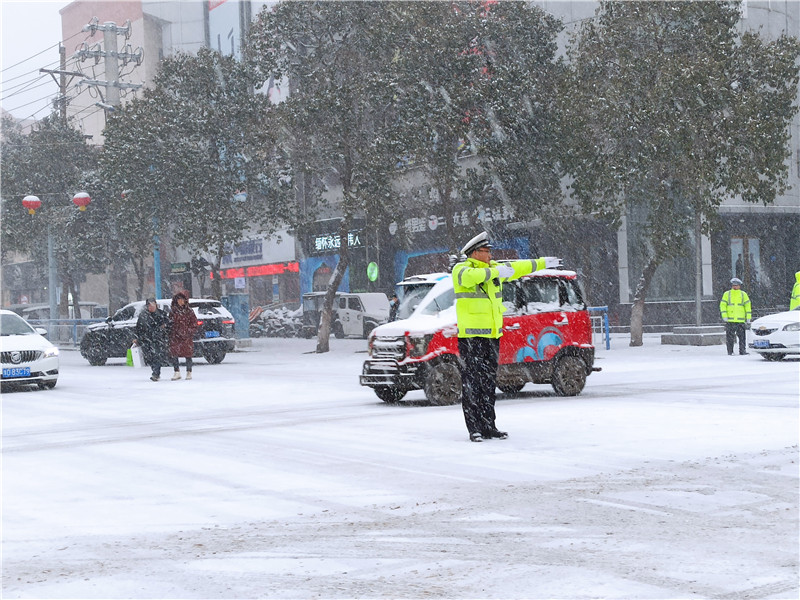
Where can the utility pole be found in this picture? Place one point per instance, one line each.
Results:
(61, 103)
(112, 58)
(112, 85)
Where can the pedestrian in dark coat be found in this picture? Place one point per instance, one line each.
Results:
(152, 336)
(394, 304)
(181, 334)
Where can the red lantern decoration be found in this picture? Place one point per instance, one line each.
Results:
(81, 200)
(32, 203)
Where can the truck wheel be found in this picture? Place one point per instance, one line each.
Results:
(569, 376)
(443, 384)
(511, 389)
(389, 394)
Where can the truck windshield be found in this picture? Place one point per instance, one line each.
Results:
(412, 296)
(439, 303)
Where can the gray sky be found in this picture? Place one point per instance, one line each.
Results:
(30, 31)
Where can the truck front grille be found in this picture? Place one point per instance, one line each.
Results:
(393, 348)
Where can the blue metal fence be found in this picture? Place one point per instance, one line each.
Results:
(600, 323)
(63, 332)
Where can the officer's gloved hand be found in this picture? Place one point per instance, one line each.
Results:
(552, 262)
(505, 271)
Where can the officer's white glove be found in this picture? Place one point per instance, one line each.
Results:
(505, 271)
(551, 262)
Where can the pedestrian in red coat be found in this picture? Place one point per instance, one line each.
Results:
(181, 334)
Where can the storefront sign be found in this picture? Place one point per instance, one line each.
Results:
(332, 242)
(181, 267)
(247, 251)
(259, 270)
(463, 218)
(372, 271)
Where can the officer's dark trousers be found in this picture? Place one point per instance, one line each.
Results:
(479, 357)
(731, 331)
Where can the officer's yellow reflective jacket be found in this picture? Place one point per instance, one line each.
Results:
(735, 306)
(795, 300)
(479, 295)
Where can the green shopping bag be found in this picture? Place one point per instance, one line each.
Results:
(129, 358)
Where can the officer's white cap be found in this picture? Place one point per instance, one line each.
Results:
(736, 281)
(479, 241)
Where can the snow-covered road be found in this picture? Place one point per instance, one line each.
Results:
(275, 475)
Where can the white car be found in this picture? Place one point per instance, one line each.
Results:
(27, 357)
(776, 336)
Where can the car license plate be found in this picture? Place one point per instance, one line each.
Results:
(16, 372)
(212, 334)
(760, 343)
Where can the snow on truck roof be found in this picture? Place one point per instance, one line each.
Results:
(432, 278)
(429, 278)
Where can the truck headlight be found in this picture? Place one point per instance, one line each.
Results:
(417, 345)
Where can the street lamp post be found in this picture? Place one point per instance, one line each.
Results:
(33, 203)
(157, 258)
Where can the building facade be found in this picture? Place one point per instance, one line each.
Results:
(759, 244)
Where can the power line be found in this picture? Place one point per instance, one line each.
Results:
(30, 58)
(5, 81)
(42, 99)
(24, 60)
(27, 88)
(35, 113)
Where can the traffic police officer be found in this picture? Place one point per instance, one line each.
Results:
(794, 302)
(735, 310)
(479, 308)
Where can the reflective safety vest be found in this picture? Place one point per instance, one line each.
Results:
(479, 295)
(735, 306)
(795, 300)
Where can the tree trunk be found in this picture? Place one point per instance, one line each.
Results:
(76, 298)
(139, 270)
(216, 281)
(637, 311)
(63, 305)
(324, 332)
(449, 214)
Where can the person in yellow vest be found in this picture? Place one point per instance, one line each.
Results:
(735, 310)
(478, 284)
(795, 300)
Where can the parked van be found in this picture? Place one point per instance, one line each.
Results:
(354, 314)
(547, 338)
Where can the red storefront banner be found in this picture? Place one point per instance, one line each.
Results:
(259, 270)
